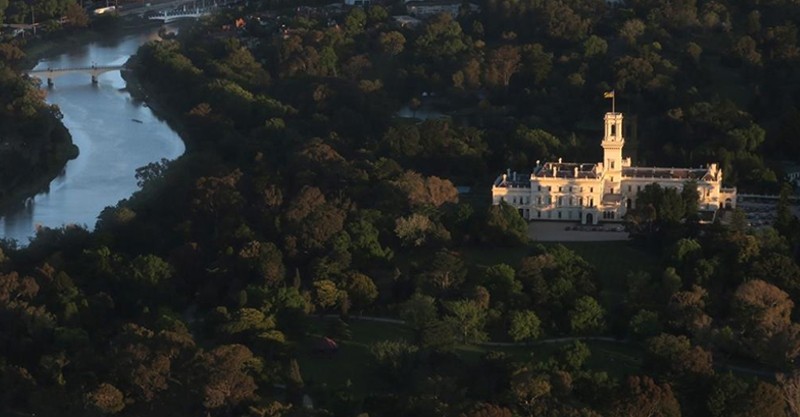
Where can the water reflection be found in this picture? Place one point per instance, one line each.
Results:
(115, 134)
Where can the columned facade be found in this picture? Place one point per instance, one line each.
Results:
(591, 193)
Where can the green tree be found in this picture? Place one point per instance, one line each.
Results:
(361, 290)
(419, 312)
(76, 15)
(575, 355)
(446, 272)
(355, 22)
(395, 359)
(392, 42)
(501, 282)
(726, 395)
(441, 38)
(414, 230)
(505, 227)
(537, 62)
(326, 294)
(524, 326)
(594, 46)
(631, 30)
(503, 63)
(645, 324)
(587, 316)
(468, 318)
(149, 270)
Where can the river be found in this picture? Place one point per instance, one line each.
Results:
(115, 134)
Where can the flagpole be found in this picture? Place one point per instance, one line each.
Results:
(613, 102)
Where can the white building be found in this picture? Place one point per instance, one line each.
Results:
(591, 192)
(428, 8)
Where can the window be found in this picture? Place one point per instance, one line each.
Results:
(539, 200)
(570, 188)
(539, 188)
(570, 201)
(613, 130)
(559, 189)
(559, 214)
(591, 202)
(612, 189)
(559, 202)
(549, 188)
(638, 188)
(591, 189)
(612, 164)
(538, 214)
(629, 188)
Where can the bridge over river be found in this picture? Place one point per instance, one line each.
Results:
(94, 71)
(169, 16)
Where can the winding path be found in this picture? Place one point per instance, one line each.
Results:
(555, 340)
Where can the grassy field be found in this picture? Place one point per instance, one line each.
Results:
(350, 366)
(611, 260)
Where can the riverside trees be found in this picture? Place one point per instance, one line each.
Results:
(300, 193)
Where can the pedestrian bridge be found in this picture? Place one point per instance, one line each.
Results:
(167, 17)
(52, 73)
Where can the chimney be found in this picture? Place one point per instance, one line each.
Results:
(559, 160)
(576, 172)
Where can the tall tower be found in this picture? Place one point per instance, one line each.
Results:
(612, 151)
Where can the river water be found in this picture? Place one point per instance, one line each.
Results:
(115, 134)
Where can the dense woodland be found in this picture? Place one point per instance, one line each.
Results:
(303, 202)
(34, 146)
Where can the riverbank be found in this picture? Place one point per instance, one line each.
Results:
(55, 43)
(64, 151)
(142, 91)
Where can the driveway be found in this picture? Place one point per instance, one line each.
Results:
(544, 231)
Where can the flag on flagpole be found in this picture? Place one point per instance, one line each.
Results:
(608, 94)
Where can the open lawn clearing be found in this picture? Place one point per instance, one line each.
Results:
(351, 364)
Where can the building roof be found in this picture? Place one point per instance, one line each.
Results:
(575, 170)
(667, 173)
